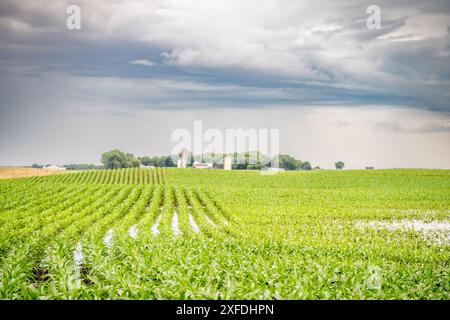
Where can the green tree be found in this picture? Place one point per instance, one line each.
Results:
(306, 166)
(132, 162)
(168, 162)
(288, 162)
(146, 161)
(117, 159)
(163, 161)
(339, 165)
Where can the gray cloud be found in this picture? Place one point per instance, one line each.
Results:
(408, 57)
(213, 56)
(142, 62)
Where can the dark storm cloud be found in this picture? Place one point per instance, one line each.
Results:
(331, 44)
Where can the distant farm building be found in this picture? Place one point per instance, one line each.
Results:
(370, 168)
(202, 165)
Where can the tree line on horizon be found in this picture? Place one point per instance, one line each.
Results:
(117, 159)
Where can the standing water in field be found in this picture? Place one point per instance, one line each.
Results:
(175, 228)
(78, 255)
(436, 231)
(154, 228)
(108, 239)
(210, 221)
(193, 224)
(78, 261)
(133, 232)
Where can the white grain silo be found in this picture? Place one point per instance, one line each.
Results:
(227, 162)
(181, 163)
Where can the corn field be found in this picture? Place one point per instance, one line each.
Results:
(210, 234)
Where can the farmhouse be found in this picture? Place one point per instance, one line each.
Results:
(202, 165)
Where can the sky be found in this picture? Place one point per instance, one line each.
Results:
(138, 70)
